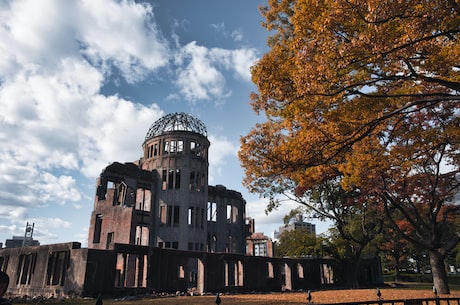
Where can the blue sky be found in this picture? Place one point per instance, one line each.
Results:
(82, 81)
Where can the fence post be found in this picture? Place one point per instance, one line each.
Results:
(308, 297)
(218, 300)
(436, 297)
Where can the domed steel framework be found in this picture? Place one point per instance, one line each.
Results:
(176, 122)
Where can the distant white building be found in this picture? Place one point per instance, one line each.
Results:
(297, 223)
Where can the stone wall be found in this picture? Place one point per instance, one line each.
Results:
(66, 269)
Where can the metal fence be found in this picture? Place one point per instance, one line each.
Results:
(426, 301)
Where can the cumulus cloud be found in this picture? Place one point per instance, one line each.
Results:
(44, 228)
(114, 132)
(199, 78)
(123, 33)
(55, 123)
(201, 70)
(220, 149)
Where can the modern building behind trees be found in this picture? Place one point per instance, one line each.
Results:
(296, 223)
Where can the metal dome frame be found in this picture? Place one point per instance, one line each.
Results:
(176, 122)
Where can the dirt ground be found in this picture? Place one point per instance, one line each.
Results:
(318, 297)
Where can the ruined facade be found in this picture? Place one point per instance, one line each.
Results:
(227, 225)
(163, 199)
(67, 269)
(157, 226)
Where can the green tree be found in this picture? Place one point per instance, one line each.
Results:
(365, 93)
(295, 243)
(356, 223)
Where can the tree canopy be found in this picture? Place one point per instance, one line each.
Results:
(367, 93)
(296, 243)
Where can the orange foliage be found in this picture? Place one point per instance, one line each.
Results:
(366, 92)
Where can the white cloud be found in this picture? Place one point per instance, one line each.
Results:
(115, 132)
(45, 228)
(237, 35)
(58, 189)
(242, 60)
(239, 61)
(268, 223)
(123, 33)
(218, 27)
(11, 230)
(199, 78)
(55, 125)
(12, 213)
(201, 70)
(219, 151)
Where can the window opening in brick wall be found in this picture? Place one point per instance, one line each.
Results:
(97, 228)
(212, 211)
(26, 268)
(191, 216)
(177, 182)
(170, 179)
(4, 262)
(176, 216)
(270, 273)
(165, 147)
(192, 181)
(181, 272)
(109, 240)
(58, 262)
(300, 270)
(164, 178)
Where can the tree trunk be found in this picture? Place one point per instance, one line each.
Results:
(351, 273)
(397, 274)
(438, 270)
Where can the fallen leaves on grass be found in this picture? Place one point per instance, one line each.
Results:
(290, 298)
(318, 297)
(331, 296)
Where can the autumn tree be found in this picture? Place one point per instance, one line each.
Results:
(394, 246)
(365, 93)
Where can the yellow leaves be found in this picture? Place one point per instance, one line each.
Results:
(364, 165)
(337, 85)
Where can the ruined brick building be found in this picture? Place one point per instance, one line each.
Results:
(163, 199)
(158, 226)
